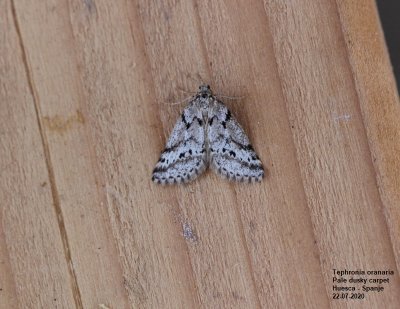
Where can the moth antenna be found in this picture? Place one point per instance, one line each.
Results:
(229, 97)
(179, 102)
(185, 91)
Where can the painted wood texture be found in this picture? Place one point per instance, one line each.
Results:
(85, 88)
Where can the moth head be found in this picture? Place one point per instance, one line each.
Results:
(205, 91)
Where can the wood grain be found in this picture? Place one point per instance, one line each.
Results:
(35, 269)
(379, 106)
(85, 87)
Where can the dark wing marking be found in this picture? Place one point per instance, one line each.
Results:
(231, 154)
(184, 157)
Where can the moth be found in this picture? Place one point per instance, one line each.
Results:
(207, 135)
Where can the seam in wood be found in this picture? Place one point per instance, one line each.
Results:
(196, 294)
(294, 145)
(145, 53)
(97, 174)
(198, 299)
(360, 110)
(7, 261)
(246, 251)
(241, 229)
(201, 39)
(237, 213)
(56, 200)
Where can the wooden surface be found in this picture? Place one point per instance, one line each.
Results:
(83, 120)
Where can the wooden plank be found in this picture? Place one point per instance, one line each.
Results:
(123, 119)
(277, 219)
(331, 142)
(54, 66)
(94, 80)
(207, 207)
(8, 291)
(34, 271)
(91, 175)
(379, 103)
(250, 216)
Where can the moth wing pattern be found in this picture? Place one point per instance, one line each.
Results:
(184, 157)
(231, 154)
